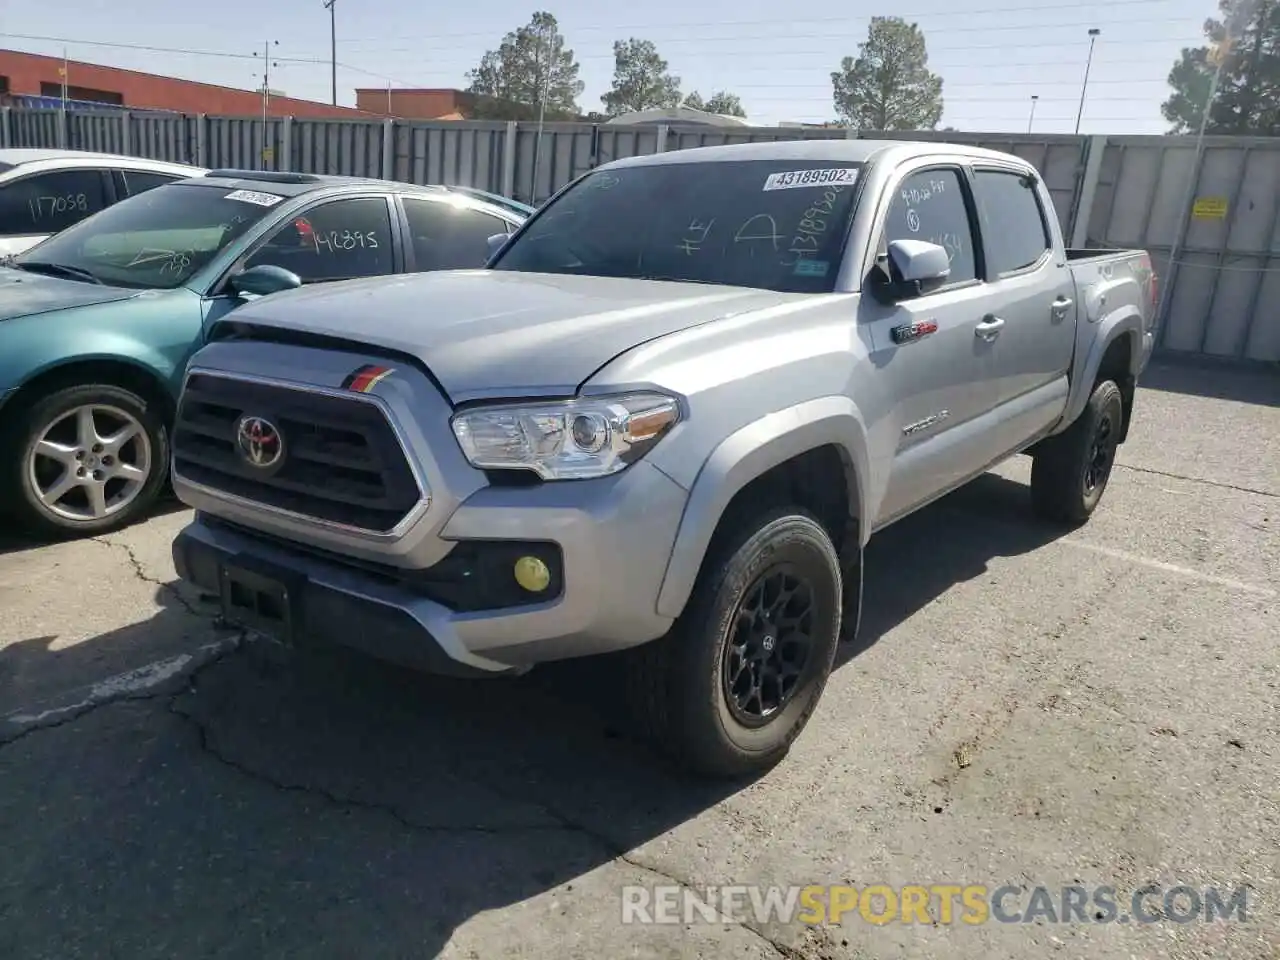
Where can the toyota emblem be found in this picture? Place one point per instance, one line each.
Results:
(259, 442)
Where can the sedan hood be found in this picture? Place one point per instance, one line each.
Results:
(25, 294)
(487, 332)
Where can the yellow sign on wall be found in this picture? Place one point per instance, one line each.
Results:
(1210, 208)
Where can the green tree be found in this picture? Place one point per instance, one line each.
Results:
(1247, 41)
(641, 80)
(530, 65)
(888, 86)
(721, 102)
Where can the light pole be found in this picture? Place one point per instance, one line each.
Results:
(1034, 98)
(1093, 38)
(333, 47)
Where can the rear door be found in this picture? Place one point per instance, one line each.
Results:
(1031, 292)
(928, 350)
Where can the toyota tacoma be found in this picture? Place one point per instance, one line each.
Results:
(664, 420)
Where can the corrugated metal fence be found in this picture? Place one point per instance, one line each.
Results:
(1210, 216)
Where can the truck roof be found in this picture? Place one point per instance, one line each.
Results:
(845, 151)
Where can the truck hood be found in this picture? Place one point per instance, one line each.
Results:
(25, 294)
(487, 333)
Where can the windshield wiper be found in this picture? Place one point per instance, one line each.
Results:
(57, 270)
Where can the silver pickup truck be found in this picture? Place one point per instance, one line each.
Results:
(665, 419)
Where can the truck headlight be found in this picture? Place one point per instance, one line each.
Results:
(568, 439)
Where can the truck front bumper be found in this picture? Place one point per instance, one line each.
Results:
(613, 539)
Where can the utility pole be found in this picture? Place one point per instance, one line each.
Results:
(542, 113)
(1034, 98)
(1236, 24)
(267, 64)
(1093, 37)
(333, 48)
(64, 130)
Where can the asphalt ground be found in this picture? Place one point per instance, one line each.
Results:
(1023, 707)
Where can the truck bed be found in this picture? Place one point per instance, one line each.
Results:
(1078, 254)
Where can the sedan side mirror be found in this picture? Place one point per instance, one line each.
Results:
(495, 243)
(263, 280)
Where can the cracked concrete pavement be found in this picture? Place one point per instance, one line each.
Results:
(1023, 707)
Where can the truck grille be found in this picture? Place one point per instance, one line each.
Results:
(339, 459)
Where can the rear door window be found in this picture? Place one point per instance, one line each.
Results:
(1014, 232)
(448, 236)
(49, 202)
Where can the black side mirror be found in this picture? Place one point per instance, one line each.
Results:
(263, 280)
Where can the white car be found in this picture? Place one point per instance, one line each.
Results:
(45, 191)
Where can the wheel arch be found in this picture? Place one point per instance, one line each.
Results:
(114, 371)
(1114, 355)
(794, 452)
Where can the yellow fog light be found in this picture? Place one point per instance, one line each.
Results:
(532, 574)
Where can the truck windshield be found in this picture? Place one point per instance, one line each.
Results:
(154, 240)
(770, 224)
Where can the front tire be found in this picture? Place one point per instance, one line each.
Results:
(733, 684)
(1070, 471)
(84, 460)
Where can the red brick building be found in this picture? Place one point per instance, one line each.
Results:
(31, 74)
(417, 104)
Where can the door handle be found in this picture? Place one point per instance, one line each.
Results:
(989, 328)
(1060, 306)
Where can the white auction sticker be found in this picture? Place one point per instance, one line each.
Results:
(253, 196)
(790, 179)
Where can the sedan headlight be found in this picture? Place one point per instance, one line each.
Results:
(566, 440)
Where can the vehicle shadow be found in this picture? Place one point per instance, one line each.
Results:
(1215, 380)
(39, 673)
(922, 556)
(13, 540)
(325, 805)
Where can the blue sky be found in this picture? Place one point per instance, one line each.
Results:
(992, 54)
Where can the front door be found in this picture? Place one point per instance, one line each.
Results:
(930, 351)
(342, 239)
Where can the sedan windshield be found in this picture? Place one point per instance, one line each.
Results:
(769, 224)
(155, 240)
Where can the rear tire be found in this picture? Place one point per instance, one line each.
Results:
(54, 446)
(1070, 471)
(731, 686)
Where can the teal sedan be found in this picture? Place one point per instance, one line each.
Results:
(97, 322)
